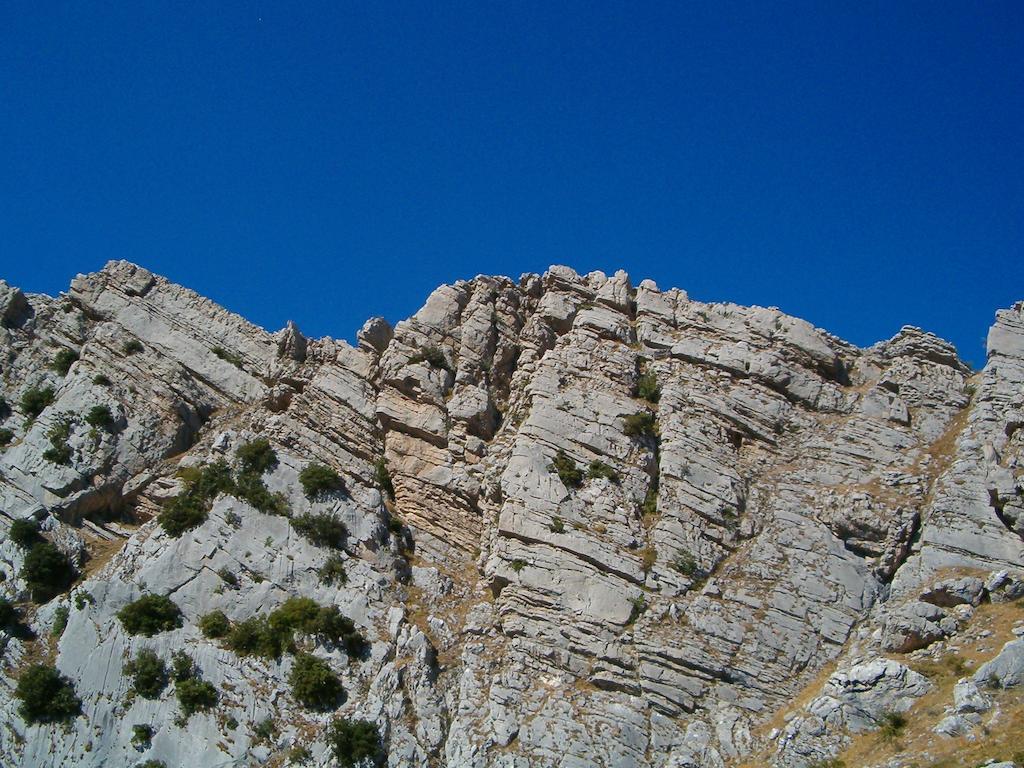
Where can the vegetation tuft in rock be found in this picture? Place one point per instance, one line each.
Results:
(46, 695)
(150, 615)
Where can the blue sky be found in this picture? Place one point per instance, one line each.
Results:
(858, 164)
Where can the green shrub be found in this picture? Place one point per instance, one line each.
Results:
(60, 621)
(25, 533)
(892, 725)
(299, 755)
(570, 475)
(58, 454)
(182, 513)
(382, 478)
(142, 735)
(314, 684)
(195, 695)
(265, 730)
(640, 424)
(331, 624)
(5, 409)
(46, 695)
(99, 416)
(355, 743)
(83, 598)
(295, 613)
(650, 503)
(214, 624)
(598, 469)
(256, 457)
(101, 380)
(6, 436)
(209, 480)
(255, 637)
(59, 451)
(229, 357)
(518, 565)
(557, 526)
(150, 615)
(318, 479)
(133, 347)
(434, 357)
(333, 571)
(686, 564)
(47, 571)
(228, 576)
(182, 666)
(639, 605)
(189, 508)
(148, 673)
(250, 487)
(8, 613)
(34, 401)
(647, 388)
(152, 764)
(63, 361)
(322, 530)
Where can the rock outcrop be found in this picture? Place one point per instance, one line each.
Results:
(586, 523)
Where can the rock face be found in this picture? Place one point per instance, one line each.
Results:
(587, 523)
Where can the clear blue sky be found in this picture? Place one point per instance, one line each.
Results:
(859, 164)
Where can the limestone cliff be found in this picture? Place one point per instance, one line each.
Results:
(586, 523)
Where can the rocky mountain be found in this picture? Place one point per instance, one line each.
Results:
(563, 521)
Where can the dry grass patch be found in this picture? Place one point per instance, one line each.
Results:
(1000, 735)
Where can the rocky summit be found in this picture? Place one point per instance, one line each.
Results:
(559, 521)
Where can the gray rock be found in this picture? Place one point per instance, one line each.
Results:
(967, 698)
(800, 503)
(950, 592)
(1006, 670)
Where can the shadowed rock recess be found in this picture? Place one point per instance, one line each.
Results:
(586, 523)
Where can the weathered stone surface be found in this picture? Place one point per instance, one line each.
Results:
(1006, 670)
(968, 590)
(791, 501)
(968, 698)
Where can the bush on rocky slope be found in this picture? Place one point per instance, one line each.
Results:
(318, 479)
(195, 695)
(640, 424)
(25, 533)
(382, 478)
(271, 635)
(332, 572)
(148, 673)
(47, 571)
(150, 615)
(63, 361)
(647, 387)
(35, 400)
(214, 625)
(570, 475)
(59, 451)
(99, 416)
(355, 742)
(322, 530)
(46, 695)
(314, 684)
(189, 508)
(256, 456)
